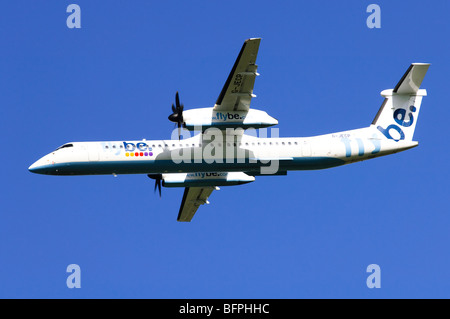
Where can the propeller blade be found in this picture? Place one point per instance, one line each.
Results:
(159, 187)
(158, 179)
(177, 115)
(177, 100)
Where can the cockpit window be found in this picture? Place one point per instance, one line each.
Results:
(64, 146)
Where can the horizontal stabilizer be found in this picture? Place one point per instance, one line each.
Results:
(412, 79)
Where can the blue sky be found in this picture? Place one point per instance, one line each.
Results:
(304, 235)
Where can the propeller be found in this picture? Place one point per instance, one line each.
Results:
(158, 179)
(177, 115)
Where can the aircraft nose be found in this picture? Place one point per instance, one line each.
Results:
(40, 166)
(32, 167)
(35, 167)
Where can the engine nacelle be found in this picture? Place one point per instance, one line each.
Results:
(206, 179)
(208, 117)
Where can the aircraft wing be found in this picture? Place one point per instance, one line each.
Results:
(192, 199)
(237, 92)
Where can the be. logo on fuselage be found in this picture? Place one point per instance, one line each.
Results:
(138, 149)
(402, 118)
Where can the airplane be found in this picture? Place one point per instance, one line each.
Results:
(223, 152)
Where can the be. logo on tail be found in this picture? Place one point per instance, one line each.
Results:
(403, 118)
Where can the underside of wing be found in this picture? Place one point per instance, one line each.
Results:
(192, 199)
(237, 92)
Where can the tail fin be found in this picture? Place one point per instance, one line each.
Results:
(397, 117)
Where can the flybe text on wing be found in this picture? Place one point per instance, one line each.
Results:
(228, 116)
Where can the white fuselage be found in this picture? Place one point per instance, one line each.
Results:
(242, 153)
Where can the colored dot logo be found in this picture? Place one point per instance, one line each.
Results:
(137, 150)
(138, 154)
